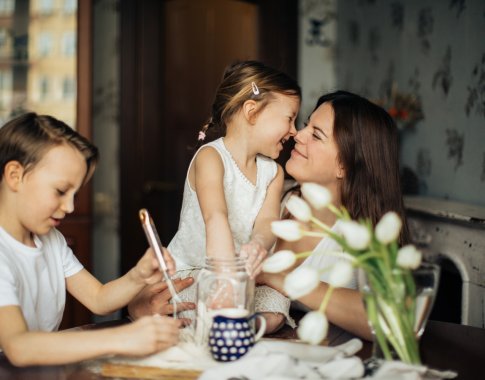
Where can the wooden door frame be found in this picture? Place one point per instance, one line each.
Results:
(77, 228)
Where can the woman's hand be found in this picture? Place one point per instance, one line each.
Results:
(148, 335)
(254, 253)
(155, 299)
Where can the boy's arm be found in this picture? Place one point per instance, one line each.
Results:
(209, 186)
(23, 347)
(104, 299)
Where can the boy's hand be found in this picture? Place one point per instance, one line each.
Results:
(148, 268)
(147, 335)
(254, 253)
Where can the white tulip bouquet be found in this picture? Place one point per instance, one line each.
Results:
(391, 303)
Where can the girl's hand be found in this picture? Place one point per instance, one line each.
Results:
(254, 253)
(147, 335)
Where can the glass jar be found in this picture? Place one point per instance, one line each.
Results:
(221, 284)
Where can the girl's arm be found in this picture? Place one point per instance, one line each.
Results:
(345, 309)
(269, 212)
(104, 299)
(22, 347)
(209, 186)
(262, 239)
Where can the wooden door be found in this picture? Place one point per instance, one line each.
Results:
(172, 58)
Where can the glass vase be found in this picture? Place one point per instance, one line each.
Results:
(398, 305)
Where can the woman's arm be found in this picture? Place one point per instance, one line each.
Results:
(209, 186)
(22, 347)
(155, 299)
(345, 309)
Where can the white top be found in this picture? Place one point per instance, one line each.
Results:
(34, 278)
(244, 201)
(326, 254)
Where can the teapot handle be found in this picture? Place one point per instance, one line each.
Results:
(262, 326)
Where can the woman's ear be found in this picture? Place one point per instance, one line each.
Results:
(340, 171)
(12, 174)
(249, 109)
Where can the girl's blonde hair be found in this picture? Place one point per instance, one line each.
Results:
(243, 81)
(28, 137)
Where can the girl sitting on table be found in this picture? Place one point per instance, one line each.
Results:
(233, 185)
(43, 164)
(348, 145)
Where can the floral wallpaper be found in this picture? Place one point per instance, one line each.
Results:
(435, 52)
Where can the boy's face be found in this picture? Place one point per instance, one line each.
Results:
(46, 193)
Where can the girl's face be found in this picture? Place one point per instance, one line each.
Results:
(315, 155)
(275, 124)
(46, 193)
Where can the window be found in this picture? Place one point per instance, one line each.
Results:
(70, 6)
(69, 44)
(68, 88)
(46, 6)
(6, 7)
(43, 88)
(44, 46)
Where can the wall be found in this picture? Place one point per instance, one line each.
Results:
(434, 50)
(106, 254)
(316, 51)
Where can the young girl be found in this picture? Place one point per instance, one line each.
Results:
(43, 164)
(233, 186)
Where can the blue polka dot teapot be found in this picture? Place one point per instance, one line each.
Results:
(231, 335)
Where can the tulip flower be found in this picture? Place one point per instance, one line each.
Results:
(357, 236)
(313, 327)
(299, 208)
(388, 228)
(288, 230)
(279, 262)
(409, 257)
(301, 281)
(317, 195)
(341, 274)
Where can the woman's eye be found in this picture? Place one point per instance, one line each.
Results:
(60, 192)
(316, 136)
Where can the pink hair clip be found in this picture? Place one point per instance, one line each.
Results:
(255, 88)
(201, 136)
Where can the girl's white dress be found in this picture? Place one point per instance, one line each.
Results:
(244, 201)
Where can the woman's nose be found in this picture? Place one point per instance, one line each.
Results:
(299, 137)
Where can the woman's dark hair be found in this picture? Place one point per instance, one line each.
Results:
(237, 86)
(28, 137)
(367, 143)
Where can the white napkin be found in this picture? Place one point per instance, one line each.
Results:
(288, 360)
(396, 370)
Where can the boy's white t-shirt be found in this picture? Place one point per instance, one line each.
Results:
(34, 278)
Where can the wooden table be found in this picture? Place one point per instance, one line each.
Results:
(443, 346)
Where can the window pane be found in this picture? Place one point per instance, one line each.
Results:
(38, 58)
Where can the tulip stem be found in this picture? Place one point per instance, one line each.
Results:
(326, 299)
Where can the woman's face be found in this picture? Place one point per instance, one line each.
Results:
(315, 155)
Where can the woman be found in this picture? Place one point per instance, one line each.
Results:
(349, 145)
